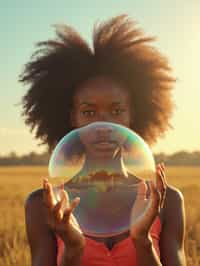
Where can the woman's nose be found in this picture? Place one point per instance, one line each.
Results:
(104, 117)
(104, 131)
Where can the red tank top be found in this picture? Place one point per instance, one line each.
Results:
(122, 253)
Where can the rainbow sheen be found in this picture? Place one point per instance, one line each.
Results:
(109, 167)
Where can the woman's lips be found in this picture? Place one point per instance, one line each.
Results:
(105, 144)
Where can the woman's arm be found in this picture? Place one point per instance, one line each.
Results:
(140, 225)
(42, 240)
(173, 232)
(146, 254)
(72, 257)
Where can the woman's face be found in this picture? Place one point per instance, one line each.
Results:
(101, 99)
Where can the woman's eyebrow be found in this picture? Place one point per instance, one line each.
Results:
(93, 104)
(117, 103)
(86, 103)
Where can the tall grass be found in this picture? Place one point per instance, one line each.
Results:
(17, 182)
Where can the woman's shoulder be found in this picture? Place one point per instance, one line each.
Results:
(173, 195)
(35, 212)
(35, 195)
(174, 203)
(34, 200)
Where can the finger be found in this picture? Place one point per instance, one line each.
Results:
(48, 195)
(75, 202)
(66, 215)
(74, 221)
(160, 178)
(163, 174)
(68, 211)
(64, 198)
(155, 198)
(163, 166)
(161, 184)
(57, 212)
(161, 169)
(141, 191)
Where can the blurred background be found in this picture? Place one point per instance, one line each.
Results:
(23, 163)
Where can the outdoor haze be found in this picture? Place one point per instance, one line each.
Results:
(174, 23)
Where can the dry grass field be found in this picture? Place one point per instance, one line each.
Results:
(17, 182)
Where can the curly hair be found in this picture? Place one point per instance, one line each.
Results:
(121, 51)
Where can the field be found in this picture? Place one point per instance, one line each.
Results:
(17, 182)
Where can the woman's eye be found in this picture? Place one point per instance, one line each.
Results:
(88, 113)
(117, 111)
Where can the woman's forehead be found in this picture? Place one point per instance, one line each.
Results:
(101, 88)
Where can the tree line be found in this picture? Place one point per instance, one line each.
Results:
(180, 158)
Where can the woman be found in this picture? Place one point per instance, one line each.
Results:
(122, 80)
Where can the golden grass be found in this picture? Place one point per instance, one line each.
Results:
(17, 182)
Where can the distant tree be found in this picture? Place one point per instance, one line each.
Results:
(184, 158)
(181, 158)
(29, 159)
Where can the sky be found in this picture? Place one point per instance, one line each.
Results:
(175, 23)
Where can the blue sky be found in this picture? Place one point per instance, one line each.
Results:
(175, 23)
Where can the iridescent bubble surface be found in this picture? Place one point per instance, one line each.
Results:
(109, 167)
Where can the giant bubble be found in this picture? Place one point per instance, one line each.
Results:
(109, 167)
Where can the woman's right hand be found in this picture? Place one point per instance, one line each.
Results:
(61, 220)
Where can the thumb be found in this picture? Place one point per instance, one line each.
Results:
(155, 198)
(141, 191)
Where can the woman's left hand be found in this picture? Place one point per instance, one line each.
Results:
(145, 210)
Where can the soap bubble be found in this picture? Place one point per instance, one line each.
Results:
(109, 167)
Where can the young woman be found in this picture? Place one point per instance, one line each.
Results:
(124, 80)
